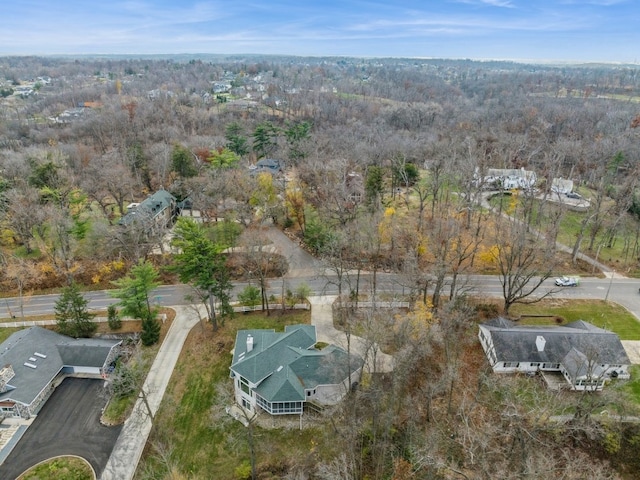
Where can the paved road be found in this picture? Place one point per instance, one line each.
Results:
(128, 449)
(616, 289)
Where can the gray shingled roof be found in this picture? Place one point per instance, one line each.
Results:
(517, 343)
(48, 351)
(85, 352)
(150, 207)
(270, 350)
(577, 365)
(285, 364)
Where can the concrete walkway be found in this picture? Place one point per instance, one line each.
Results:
(126, 454)
(322, 319)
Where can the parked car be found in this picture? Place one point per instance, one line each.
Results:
(573, 195)
(567, 282)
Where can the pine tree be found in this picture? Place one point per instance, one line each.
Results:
(72, 316)
(150, 331)
(133, 291)
(113, 318)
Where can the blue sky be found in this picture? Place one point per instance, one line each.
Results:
(525, 30)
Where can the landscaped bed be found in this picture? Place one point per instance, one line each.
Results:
(60, 468)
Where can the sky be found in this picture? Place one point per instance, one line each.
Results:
(520, 30)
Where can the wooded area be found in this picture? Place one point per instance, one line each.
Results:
(376, 165)
(391, 146)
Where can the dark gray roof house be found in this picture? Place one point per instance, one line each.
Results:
(279, 372)
(157, 209)
(587, 356)
(268, 165)
(33, 358)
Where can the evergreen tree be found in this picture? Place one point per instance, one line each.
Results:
(72, 316)
(373, 186)
(236, 142)
(183, 162)
(265, 139)
(297, 133)
(133, 291)
(113, 318)
(202, 265)
(150, 331)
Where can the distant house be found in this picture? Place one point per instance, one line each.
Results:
(34, 358)
(158, 93)
(354, 186)
(561, 185)
(506, 178)
(157, 210)
(268, 165)
(586, 356)
(221, 87)
(280, 372)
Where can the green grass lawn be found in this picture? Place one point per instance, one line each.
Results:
(61, 468)
(632, 387)
(618, 255)
(609, 316)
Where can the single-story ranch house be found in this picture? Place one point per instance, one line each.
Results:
(585, 355)
(33, 359)
(280, 372)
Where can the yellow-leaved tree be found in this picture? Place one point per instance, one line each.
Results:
(416, 322)
(295, 204)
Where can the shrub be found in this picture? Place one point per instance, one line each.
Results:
(113, 319)
(150, 331)
(487, 310)
(303, 292)
(250, 296)
(243, 471)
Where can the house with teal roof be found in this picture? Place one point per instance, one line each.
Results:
(279, 372)
(157, 210)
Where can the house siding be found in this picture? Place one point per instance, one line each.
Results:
(507, 352)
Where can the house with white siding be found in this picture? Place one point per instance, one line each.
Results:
(506, 178)
(586, 356)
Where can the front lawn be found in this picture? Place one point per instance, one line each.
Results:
(189, 439)
(609, 316)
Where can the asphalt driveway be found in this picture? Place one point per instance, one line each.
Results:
(68, 424)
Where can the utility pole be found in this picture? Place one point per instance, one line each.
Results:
(606, 297)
